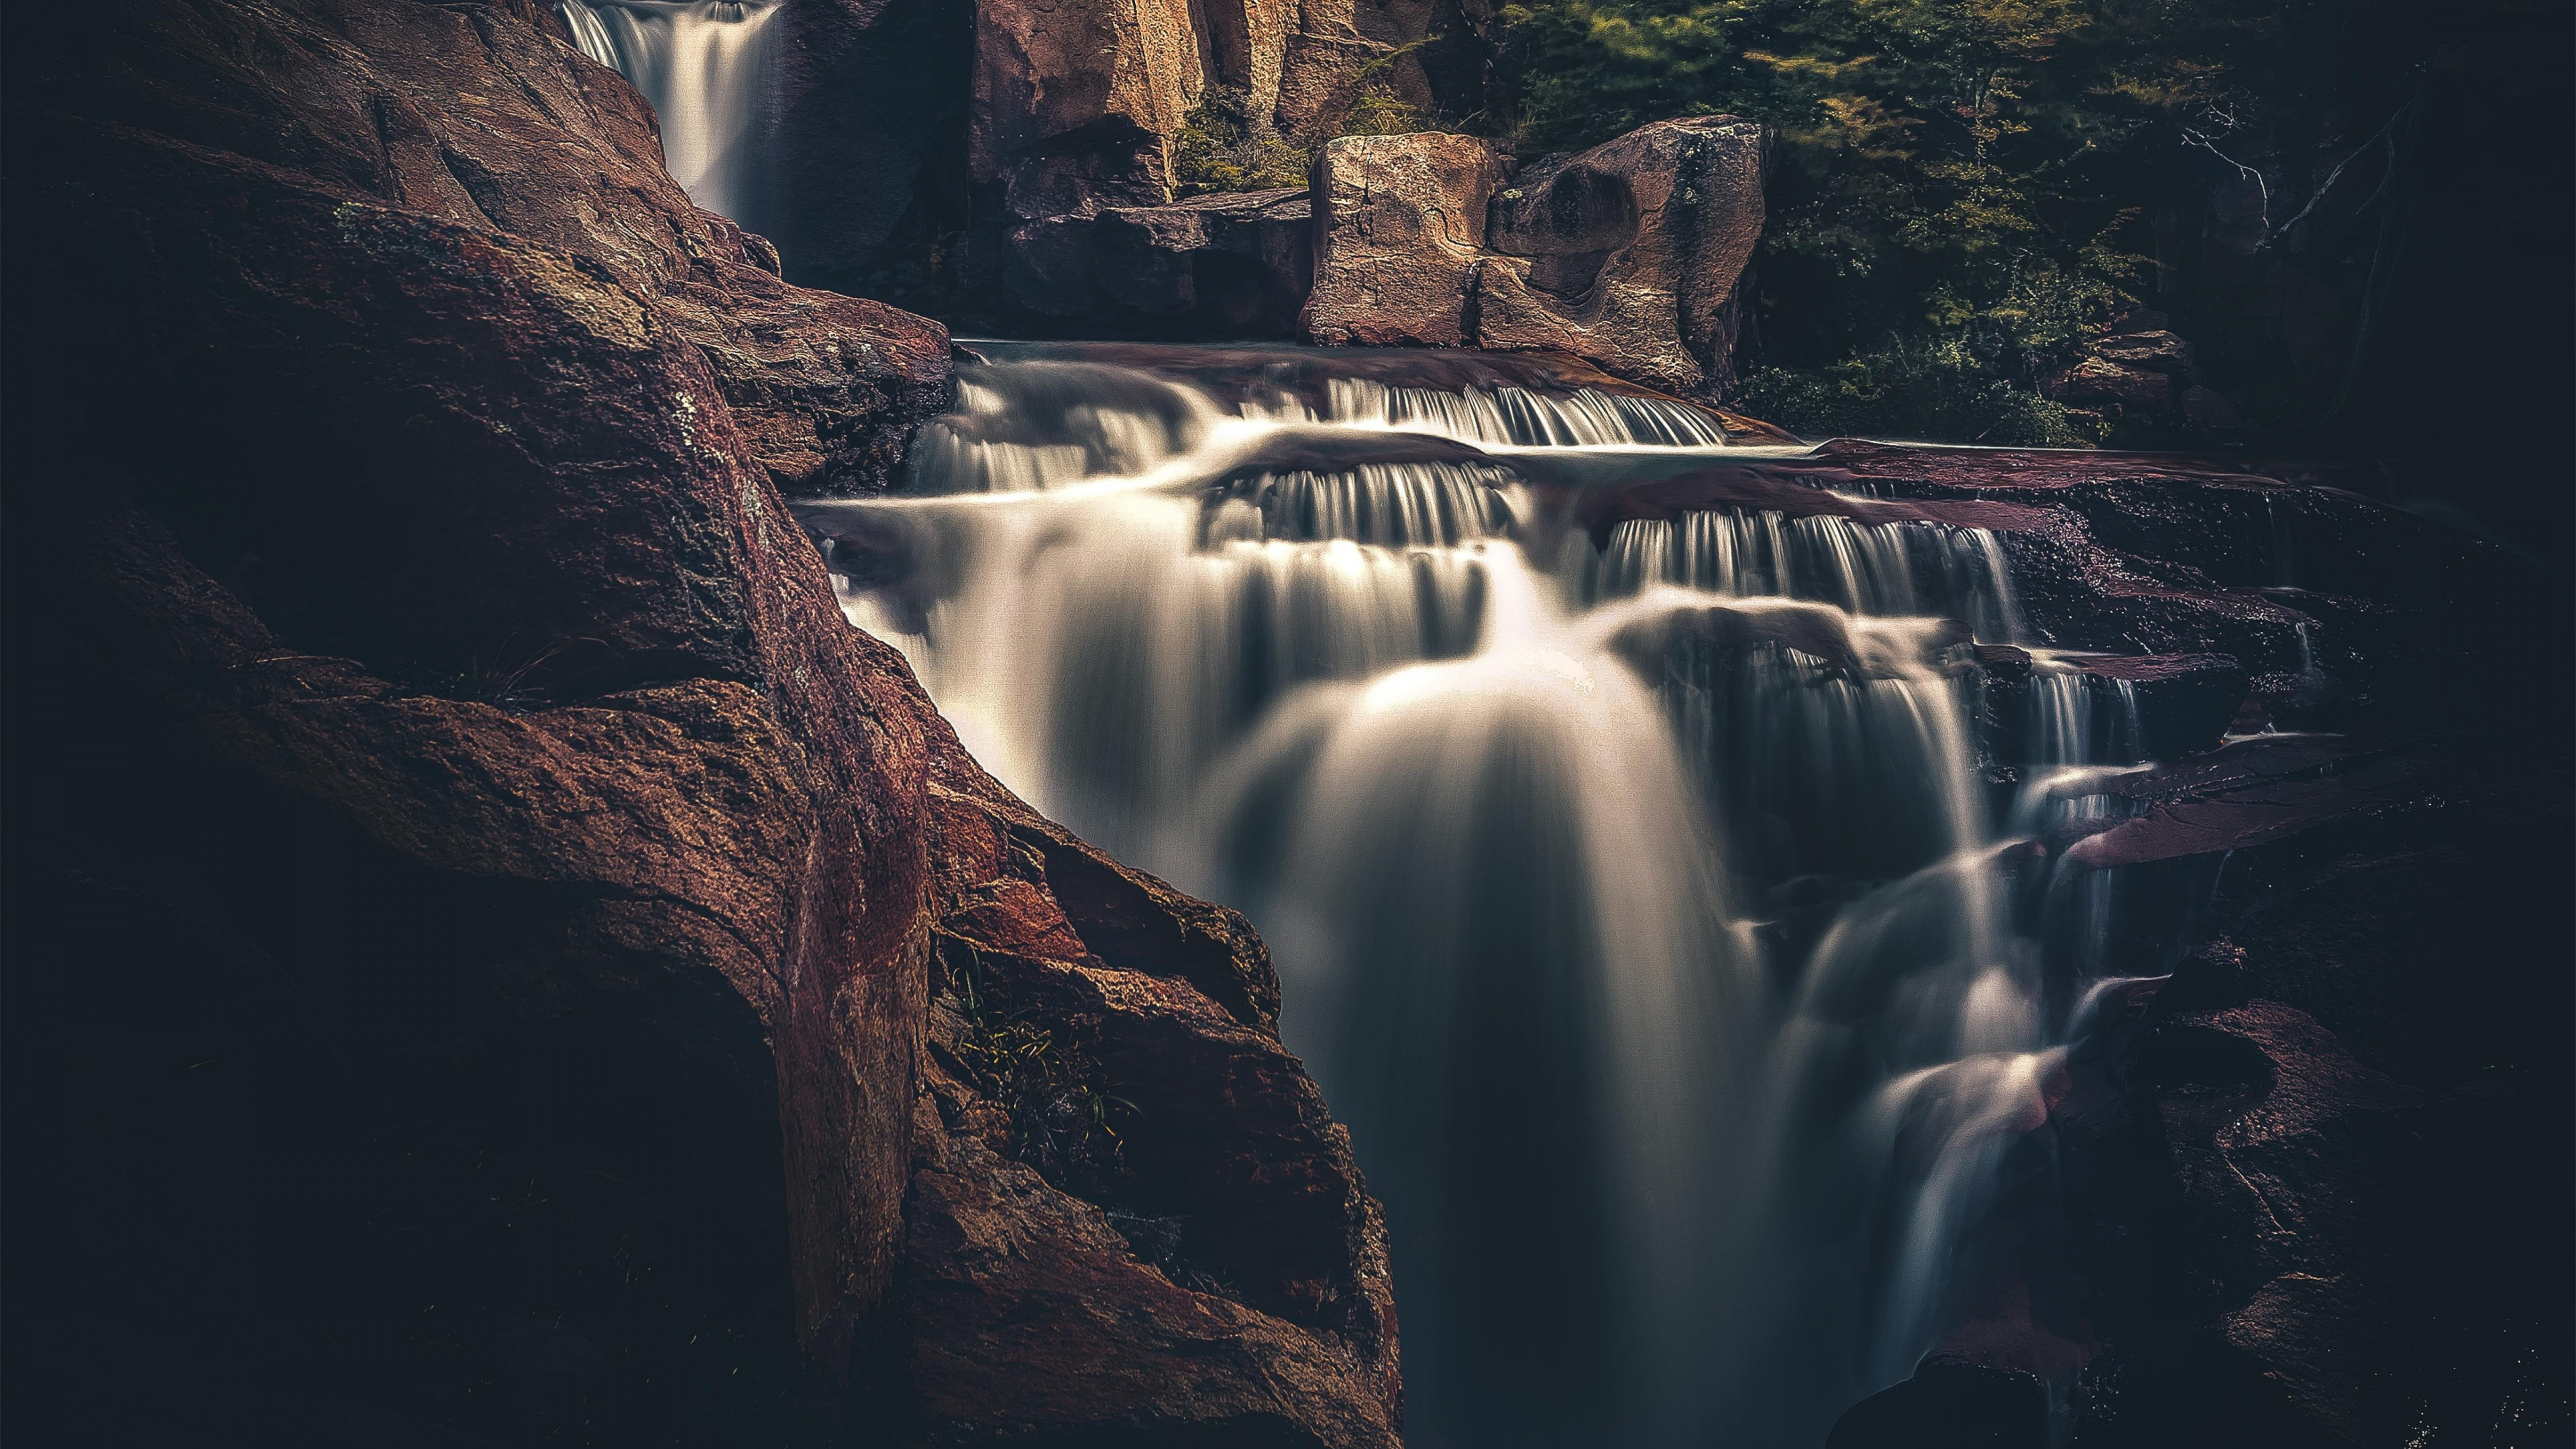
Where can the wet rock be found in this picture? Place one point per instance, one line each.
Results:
(1627, 255)
(1399, 233)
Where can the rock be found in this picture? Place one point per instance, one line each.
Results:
(1627, 255)
(1624, 256)
(2209, 409)
(1399, 237)
(472, 898)
(870, 115)
(2185, 701)
(1224, 265)
(1949, 1405)
(2103, 381)
(1074, 105)
(1260, 1304)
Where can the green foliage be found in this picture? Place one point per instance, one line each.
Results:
(1910, 390)
(1961, 176)
(1217, 151)
(1062, 1122)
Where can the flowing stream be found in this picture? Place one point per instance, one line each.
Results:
(1639, 890)
(704, 64)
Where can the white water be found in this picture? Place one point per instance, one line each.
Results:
(704, 64)
(1642, 914)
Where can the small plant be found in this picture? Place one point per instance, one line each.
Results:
(1062, 1123)
(502, 678)
(1218, 151)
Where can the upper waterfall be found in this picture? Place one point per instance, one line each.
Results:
(704, 64)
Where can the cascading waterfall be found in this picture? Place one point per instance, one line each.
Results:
(704, 64)
(1643, 914)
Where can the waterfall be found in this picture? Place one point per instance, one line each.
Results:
(1642, 912)
(704, 64)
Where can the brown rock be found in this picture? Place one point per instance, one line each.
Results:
(1218, 1271)
(499, 883)
(2101, 380)
(1074, 104)
(1627, 255)
(1399, 232)
(2149, 351)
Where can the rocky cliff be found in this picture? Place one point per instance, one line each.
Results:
(492, 954)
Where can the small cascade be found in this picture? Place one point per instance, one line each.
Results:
(1518, 417)
(1642, 916)
(1028, 426)
(1392, 504)
(1866, 568)
(704, 64)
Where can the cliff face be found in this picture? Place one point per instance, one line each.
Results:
(474, 905)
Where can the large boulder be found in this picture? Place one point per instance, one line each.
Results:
(475, 909)
(1399, 239)
(1628, 255)
(1625, 256)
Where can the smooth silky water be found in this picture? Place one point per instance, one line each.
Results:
(704, 64)
(1641, 905)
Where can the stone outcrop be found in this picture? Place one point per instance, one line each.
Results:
(1626, 256)
(2140, 371)
(483, 932)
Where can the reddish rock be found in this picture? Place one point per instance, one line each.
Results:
(1399, 233)
(1627, 255)
(502, 889)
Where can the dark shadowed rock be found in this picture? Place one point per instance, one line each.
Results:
(1949, 1405)
(871, 130)
(1224, 265)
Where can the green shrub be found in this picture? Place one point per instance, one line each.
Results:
(1928, 392)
